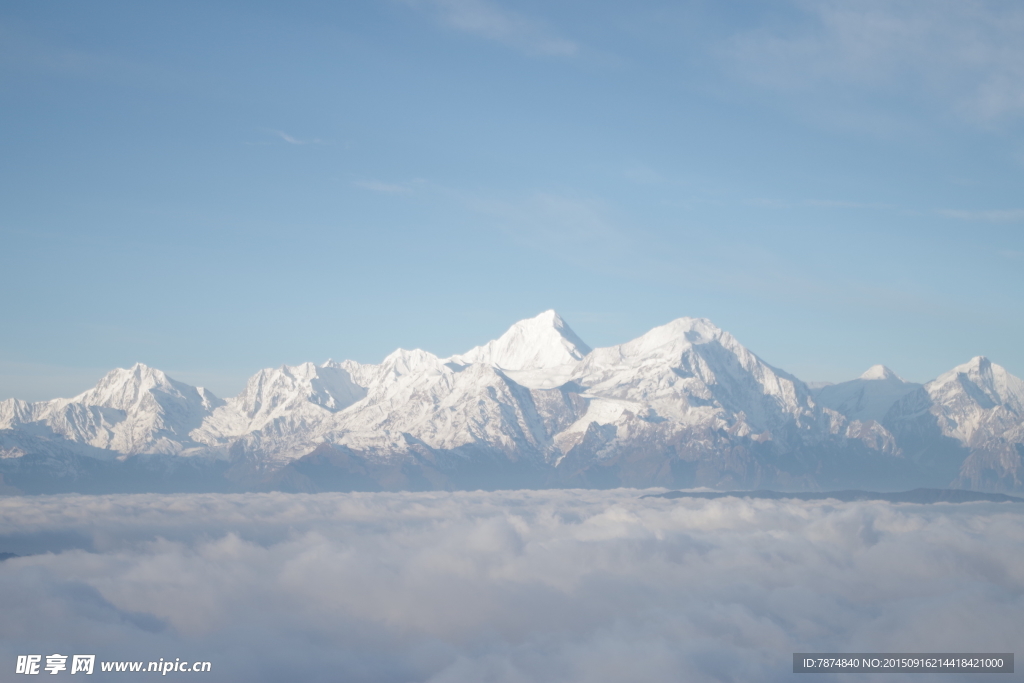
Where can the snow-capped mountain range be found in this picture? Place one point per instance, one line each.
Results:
(683, 405)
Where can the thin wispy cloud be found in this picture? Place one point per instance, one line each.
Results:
(990, 216)
(21, 50)
(292, 140)
(386, 188)
(969, 55)
(489, 20)
(841, 204)
(815, 203)
(644, 175)
(577, 229)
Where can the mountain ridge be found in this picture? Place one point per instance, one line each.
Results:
(685, 404)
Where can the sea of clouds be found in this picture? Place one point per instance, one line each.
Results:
(516, 586)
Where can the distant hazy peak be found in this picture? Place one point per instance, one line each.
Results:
(544, 341)
(868, 397)
(880, 372)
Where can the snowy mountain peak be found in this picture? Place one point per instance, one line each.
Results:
(130, 410)
(696, 330)
(985, 382)
(123, 388)
(670, 339)
(271, 390)
(978, 368)
(877, 372)
(404, 361)
(979, 364)
(541, 342)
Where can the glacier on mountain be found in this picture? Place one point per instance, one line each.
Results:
(683, 405)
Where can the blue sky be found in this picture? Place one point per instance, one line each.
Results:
(213, 188)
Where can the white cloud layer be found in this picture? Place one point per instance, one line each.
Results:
(511, 586)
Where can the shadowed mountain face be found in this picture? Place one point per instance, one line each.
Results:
(685, 405)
